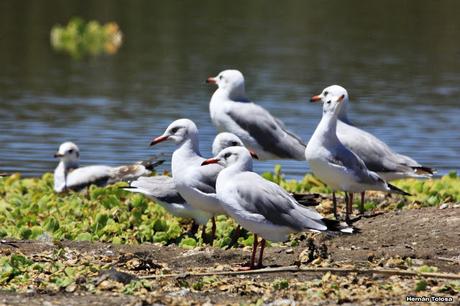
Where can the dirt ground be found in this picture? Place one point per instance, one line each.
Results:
(428, 236)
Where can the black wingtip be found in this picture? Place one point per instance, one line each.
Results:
(395, 189)
(126, 187)
(307, 199)
(340, 227)
(424, 170)
(151, 165)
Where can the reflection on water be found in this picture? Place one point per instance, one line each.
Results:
(400, 65)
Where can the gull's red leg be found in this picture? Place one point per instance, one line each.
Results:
(254, 250)
(334, 205)
(261, 255)
(213, 230)
(361, 206)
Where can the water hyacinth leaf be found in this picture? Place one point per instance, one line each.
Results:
(25, 233)
(52, 224)
(83, 237)
(188, 243)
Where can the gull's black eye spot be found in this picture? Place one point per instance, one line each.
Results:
(70, 151)
(234, 143)
(326, 93)
(220, 77)
(329, 102)
(174, 129)
(227, 155)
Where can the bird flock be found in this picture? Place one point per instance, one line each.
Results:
(340, 154)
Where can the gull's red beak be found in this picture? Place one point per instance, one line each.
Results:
(341, 98)
(211, 80)
(315, 99)
(158, 140)
(210, 161)
(253, 154)
(57, 154)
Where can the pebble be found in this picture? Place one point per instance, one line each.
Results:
(182, 292)
(289, 251)
(444, 206)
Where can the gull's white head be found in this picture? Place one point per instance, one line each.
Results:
(239, 156)
(179, 131)
(68, 152)
(231, 82)
(331, 93)
(225, 140)
(333, 105)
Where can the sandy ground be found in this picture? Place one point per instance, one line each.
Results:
(428, 236)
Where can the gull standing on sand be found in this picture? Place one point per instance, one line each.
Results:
(68, 175)
(225, 140)
(195, 184)
(377, 155)
(162, 189)
(231, 111)
(336, 165)
(261, 206)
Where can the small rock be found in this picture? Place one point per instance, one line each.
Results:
(71, 288)
(112, 274)
(444, 206)
(182, 292)
(289, 251)
(370, 256)
(31, 291)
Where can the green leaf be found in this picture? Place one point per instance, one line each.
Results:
(84, 237)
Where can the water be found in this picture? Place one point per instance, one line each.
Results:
(398, 59)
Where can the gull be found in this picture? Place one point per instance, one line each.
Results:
(225, 140)
(377, 155)
(194, 183)
(335, 164)
(68, 175)
(231, 111)
(163, 191)
(261, 206)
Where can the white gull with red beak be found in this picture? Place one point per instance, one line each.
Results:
(68, 175)
(162, 189)
(231, 111)
(261, 206)
(335, 164)
(194, 183)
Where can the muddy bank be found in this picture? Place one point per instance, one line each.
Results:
(409, 240)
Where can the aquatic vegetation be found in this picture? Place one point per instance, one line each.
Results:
(80, 38)
(29, 209)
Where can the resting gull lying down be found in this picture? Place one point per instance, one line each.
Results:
(68, 175)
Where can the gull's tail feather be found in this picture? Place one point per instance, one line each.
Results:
(424, 170)
(339, 226)
(307, 199)
(395, 189)
(152, 163)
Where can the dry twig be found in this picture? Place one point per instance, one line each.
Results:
(295, 269)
